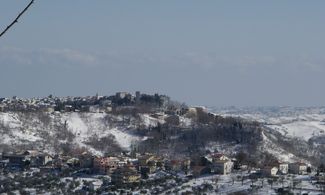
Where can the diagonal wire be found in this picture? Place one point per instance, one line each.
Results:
(16, 19)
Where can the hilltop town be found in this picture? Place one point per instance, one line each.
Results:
(95, 103)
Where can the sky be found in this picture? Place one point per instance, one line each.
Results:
(214, 53)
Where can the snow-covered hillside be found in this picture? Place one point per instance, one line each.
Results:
(290, 134)
(40, 129)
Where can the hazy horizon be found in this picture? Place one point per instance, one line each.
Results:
(216, 53)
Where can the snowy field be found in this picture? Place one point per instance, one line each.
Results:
(228, 184)
(303, 129)
(304, 123)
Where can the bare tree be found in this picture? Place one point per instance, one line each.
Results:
(233, 179)
(16, 19)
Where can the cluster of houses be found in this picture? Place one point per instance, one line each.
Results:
(80, 104)
(283, 168)
(127, 169)
(147, 164)
(121, 169)
(21, 160)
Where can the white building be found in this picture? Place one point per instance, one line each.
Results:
(94, 109)
(223, 167)
(284, 168)
(122, 95)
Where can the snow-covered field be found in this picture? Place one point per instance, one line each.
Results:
(302, 129)
(233, 183)
(304, 123)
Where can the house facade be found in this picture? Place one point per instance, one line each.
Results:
(149, 163)
(222, 167)
(106, 165)
(126, 174)
(283, 168)
(298, 168)
(269, 171)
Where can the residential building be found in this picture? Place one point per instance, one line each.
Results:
(122, 95)
(2, 108)
(283, 168)
(150, 163)
(223, 167)
(17, 160)
(106, 165)
(126, 174)
(216, 157)
(298, 168)
(269, 171)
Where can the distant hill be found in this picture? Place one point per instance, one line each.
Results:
(301, 127)
(149, 125)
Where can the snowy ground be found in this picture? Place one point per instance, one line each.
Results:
(24, 128)
(280, 153)
(302, 129)
(227, 184)
(289, 121)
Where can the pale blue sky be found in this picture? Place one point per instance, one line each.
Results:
(243, 53)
